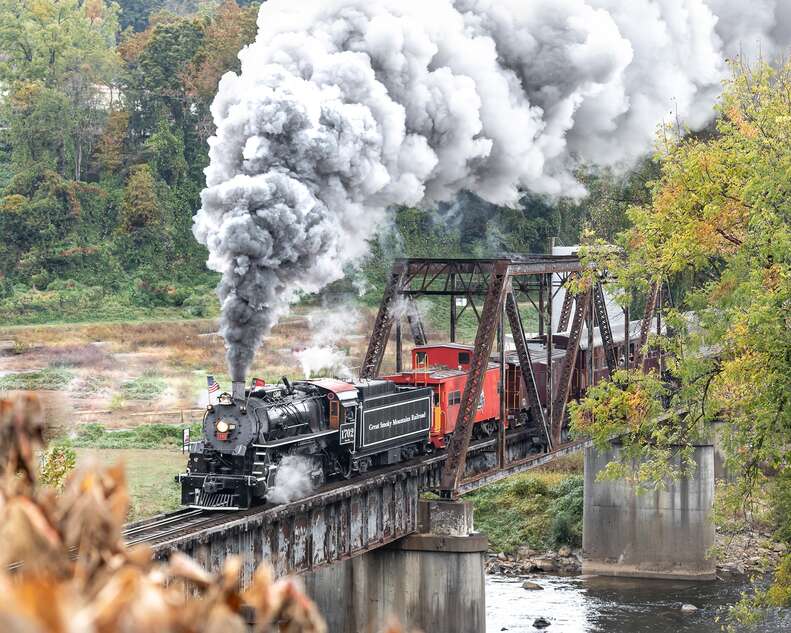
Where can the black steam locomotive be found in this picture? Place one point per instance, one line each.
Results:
(335, 427)
(338, 429)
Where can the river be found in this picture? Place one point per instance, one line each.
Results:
(616, 605)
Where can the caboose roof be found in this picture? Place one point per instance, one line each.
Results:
(439, 374)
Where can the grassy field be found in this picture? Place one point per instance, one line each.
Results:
(150, 476)
(112, 372)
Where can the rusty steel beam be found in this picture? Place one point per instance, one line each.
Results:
(319, 530)
(603, 320)
(531, 265)
(565, 311)
(525, 362)
(484, 338)
(645, 325)
(550, 370)
(415, 322)
(581, 305)
(384, 322)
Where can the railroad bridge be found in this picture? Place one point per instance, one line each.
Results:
(370, 547)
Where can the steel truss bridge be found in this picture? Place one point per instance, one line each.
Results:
(493, 289)
(348, 518)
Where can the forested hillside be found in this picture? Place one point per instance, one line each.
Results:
(104, 121)
(105, 116)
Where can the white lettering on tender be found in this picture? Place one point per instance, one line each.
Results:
(386, 424)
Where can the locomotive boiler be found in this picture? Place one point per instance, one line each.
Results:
(335, 428)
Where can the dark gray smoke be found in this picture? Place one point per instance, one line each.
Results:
(344, 108)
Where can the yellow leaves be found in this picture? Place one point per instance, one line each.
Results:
(774, 278)
(779, 594)
(637, 402)
(94, 9)
(747, 129)
(13, 204)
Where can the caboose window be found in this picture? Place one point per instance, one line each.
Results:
(422, 358)
(454, 397)
(464, 358)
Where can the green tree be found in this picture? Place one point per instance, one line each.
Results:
(719, 209)
(152, 83)
(135, 13)
(58, 60)
(141, 209)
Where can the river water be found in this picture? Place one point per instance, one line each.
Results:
(617, 605)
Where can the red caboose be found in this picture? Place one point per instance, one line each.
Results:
(444, 367)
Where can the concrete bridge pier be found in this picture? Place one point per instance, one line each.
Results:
(651, 534)
(432, 580)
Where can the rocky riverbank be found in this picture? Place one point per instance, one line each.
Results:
(747, 553)
(565, 561)
(738, 554)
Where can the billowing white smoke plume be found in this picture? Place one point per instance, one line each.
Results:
(292, 480)
(324, 355)
(344, 108)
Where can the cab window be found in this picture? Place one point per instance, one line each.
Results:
(334, 414)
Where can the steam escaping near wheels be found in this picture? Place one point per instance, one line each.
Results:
(293, 480)
(346, 108)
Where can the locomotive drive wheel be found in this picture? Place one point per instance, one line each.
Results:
(346, 468)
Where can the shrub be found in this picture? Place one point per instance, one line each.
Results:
(201, 304)
(143, 436)
(149, 386)
(780, 502)
(515, 511)
(57, 463)
(566, 511)
(54, 378)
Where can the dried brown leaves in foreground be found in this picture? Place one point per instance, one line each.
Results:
(77, 576)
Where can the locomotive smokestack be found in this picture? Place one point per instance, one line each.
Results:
(237, 389)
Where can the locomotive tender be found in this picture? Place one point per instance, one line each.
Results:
(341, 428)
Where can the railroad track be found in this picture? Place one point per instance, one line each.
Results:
(152, 529)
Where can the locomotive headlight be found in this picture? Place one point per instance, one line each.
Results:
(222, 426)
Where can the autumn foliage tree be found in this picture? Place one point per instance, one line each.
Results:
(719, 215)
(104, 116)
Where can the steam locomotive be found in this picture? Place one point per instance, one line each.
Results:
(339, 429)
